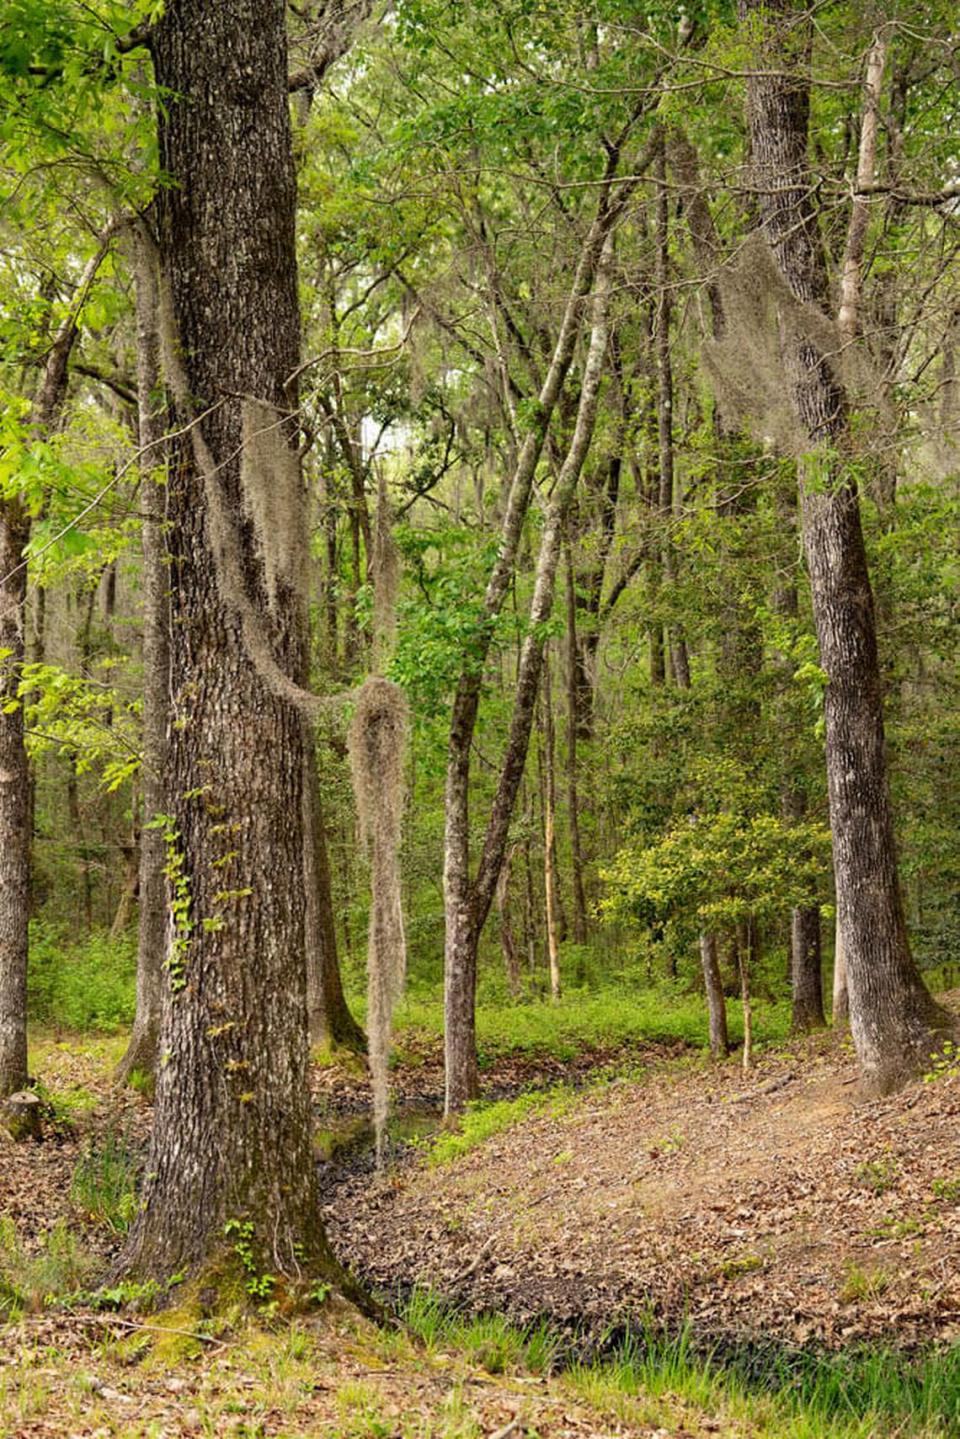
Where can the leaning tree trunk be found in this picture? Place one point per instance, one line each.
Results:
(894, 1021)
(141, 1053)
(231, 1151)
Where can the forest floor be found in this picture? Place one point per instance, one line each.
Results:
(774, 1206)
(769, 1212)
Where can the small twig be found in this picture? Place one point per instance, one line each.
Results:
(770, 1087)
(510, 1428)
(154, 1328)
(478, 1258)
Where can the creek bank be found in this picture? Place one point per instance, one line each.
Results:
(780, 1211)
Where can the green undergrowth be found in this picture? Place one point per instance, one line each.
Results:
(659, 1379)
(858, 1393)
(481, 1121)
(87, 984)
(32, 1278)
(605, 1018)
(487, 1340)
(104, 1184)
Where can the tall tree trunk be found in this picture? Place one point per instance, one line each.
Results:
(716, 1002)
(549, 828)
(231, 1151)
(805, 963)
(16, 820)
(894, 1021)
(466, 905)
(508, 943)
(330, 1021)
(141, 1053)
(573, 797)
(14, 804)
(679, 659)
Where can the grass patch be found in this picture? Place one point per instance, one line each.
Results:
(104, 1184)
(601, 1018)
(30, 1280)
(480, 1122)
(487, 1340)
(855, 1394)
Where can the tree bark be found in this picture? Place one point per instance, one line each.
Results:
(549, 826)
(508, 943)
(330, 1021)
(894, 1021)
(14, 804)
(806, 970)
(141, 1053)
(573, 796)
(231, 1140)
(716, 1002)
(679, 658)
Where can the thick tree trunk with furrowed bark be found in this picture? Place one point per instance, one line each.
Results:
(894, 1021)
(231, 1141)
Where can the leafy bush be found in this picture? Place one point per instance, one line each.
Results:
(85, 984)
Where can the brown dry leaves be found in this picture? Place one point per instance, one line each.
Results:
(795, 1211)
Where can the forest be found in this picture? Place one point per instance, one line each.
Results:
(479, 719)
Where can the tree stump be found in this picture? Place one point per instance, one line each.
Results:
(21, 1115)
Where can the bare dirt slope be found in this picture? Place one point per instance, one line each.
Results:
(781, 1206)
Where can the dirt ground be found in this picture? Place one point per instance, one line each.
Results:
(776, 1206)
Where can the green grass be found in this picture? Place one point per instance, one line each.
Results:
(105, 1180)
(601, 1018)
(857, 1394)
(487, 1340)
(656, 1378)
(29, 1280)
(481, 1121)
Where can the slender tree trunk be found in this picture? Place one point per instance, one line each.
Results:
(466, 906)
(14, 804)
(716, 1002)
(573, 798)
(841, 998)
(16, 817)
(127, 903)
(743, 967)
(231, 1140)
(508, 943)
(894, 1021)
(141, 1053)
(549, 826)
(679, 659)
(331, 1023)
